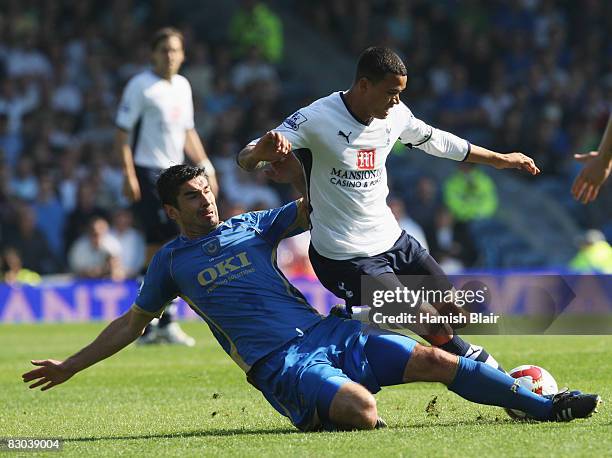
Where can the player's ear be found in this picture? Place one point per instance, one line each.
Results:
(363, 84)
(172, 212)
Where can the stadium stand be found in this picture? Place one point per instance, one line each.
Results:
(546, 92)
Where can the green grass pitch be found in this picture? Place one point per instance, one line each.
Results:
(174, 401)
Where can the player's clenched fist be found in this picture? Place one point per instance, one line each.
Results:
(272, 147)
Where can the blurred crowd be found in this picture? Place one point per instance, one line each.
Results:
(531, 75)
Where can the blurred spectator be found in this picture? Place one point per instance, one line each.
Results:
(50, 214)
(594, 254)
(11, 142)
(68, 180)
(15, 103)
(30, 242)
(221, 98)
(85, 210)
(460, 107)
(24, 184)
(256, 25)
(97, 253)
(451, 243)
(66, 96)
(406, 222)
(469, 194)
(133, 247)
(14, 271)
(252, 71)
(27, 60)
(496, 103)
(424, 202)
(199, 71)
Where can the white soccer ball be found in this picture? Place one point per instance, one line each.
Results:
(536, 379)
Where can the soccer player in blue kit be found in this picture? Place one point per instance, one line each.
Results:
(320, 372)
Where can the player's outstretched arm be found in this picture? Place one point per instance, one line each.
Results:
(116, 336)
(480, 155)
(597, 168)
(272, 147)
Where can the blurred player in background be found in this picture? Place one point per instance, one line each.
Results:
(596, 170)
(155, 129)
(342, 142)
(320, 372)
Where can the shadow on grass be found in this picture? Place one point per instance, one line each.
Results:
(210, 433)
(286, 431)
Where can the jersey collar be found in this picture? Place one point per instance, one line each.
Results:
(351, 111)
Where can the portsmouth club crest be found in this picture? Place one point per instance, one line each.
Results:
(212, 247)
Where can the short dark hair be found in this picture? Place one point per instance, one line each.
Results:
(164, 34)
(172, 178)
(376, 61)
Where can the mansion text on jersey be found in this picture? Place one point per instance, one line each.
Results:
(355, 178)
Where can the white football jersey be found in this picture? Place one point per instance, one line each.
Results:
(344, 164)
(165, 111)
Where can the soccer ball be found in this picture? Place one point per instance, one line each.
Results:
(536, 379)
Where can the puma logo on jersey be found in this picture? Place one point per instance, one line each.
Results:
(346, 136)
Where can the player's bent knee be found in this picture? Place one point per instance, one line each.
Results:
(430, 364)
(353, 407)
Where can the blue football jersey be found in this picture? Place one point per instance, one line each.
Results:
(230, 278)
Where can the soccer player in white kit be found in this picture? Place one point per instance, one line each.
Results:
(155, 128)
(342, 142)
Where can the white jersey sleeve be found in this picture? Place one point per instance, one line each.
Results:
(131, 106)
(295, 128)
(436, 142)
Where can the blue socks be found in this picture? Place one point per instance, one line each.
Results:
(478, 382)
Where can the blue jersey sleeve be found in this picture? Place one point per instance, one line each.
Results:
(158, 287)
(279, 223)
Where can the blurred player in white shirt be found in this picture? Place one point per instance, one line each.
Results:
(155, 129)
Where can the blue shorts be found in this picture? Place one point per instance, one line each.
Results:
(308, 371)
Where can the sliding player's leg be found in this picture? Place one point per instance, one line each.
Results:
(472, 380)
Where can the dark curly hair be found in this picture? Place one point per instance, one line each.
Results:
(376, 61)
(172, 178)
